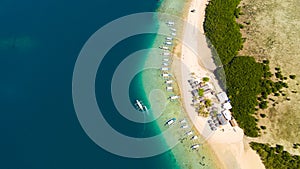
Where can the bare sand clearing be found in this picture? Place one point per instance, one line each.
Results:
(228, 144)
(273, 33)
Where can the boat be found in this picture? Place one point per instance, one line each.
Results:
(169, 38)
(183, 121)
(164, 68)
(193, 147)
(170, 23)
(194, 138)
(174, 97)
(166, 53)
(184, 126)
(165, 75)
(165, 64)
(170, 121)
(140, 106)
(189, 133)
(168, 43)
(169, 88)
(165, 48)
(169, 81)
(173, 29)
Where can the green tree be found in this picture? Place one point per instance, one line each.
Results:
(201, 92)
(205, 79)
(263, 105)
(279, 148)
(207, 102)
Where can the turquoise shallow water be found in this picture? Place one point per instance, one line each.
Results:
(39, 44)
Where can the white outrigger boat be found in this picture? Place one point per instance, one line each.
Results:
(194, 138)
(172, 98)
(164, 47)
(193, 147)
(170, 23)
(166, 75)
(182, 121)
(166, 54)
(170, 122)
(164, 68)
(169, 81)
(165, 64)
(189, 133)
(169, 88)
(184, 126)
(169, 38)
(140, 106)
(173, 29)
(168, 43)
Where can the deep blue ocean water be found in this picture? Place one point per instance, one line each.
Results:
(39, 44)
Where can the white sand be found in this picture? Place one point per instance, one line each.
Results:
(228, 144)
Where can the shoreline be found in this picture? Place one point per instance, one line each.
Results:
(184, 156)
(234, 151)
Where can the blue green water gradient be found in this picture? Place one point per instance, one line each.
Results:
(39, 44)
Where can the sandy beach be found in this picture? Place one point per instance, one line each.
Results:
(228, 143)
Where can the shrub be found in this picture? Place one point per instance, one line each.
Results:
(293, 76)
(237, 12)
(263, 127)
(241, 26)
(266, 61)
(263, 115)
(279, 148)
(277, 68)
(263, 105)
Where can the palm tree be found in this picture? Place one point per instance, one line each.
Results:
(207, 103)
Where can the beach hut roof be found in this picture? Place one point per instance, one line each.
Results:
(195, 92)
(222, 97)
(221, 119)
(227, 114)
(227, 106)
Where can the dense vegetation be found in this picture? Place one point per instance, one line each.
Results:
(243, 79)
(276, 157)
(248, 82)
(221, 28)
